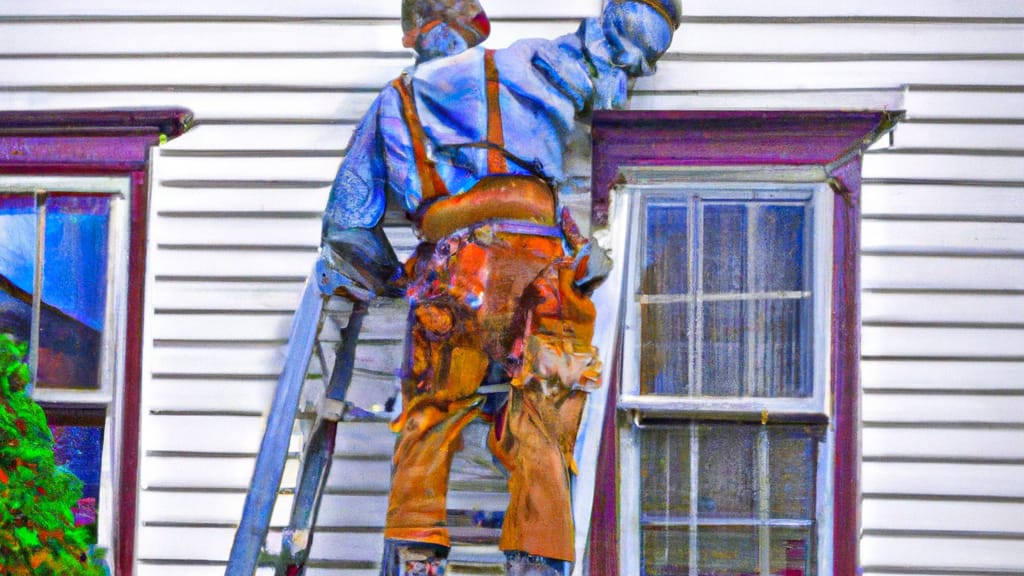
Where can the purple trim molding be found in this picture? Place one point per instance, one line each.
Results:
(110, 143)
(833, 139)
(171, 122)
(846, 368)
(724, 138)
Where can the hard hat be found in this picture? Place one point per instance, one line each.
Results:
(466, 17)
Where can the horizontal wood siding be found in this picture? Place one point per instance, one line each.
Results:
(277, 88)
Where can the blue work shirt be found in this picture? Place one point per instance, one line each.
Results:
(545, 86)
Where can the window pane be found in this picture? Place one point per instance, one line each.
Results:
(778, 370)
(792, 464)
(727, 471)
(792, 552)
(724, 249)
(665, 474)
(666, 551)
(727, 551)
(664, 353)
(17, 264)
(724, 352)
(79, 449)
(666, 257)
(779, 251)
(74, 290)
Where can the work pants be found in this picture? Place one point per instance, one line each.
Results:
(490, 302)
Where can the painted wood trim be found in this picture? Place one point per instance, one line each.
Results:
(171, 122)
(725, 138)
(113, 142)
(132, 391)
(603, 549)
(845, 368)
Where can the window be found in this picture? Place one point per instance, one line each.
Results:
(725, 441)
(63, 271)
(70, 159)
(724, 389)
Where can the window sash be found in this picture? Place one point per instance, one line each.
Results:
(109, 396)
(664, 191)
(115, 310)
(632, 521)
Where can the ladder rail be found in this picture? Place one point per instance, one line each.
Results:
(319, 450)
(270, 460)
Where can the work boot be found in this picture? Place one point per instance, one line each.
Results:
(523, 564)
(413, 559)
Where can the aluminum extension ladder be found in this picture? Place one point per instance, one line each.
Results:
(332, 407)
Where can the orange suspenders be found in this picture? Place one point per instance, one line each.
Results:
(496, 162)
(433, 186)
(430, 180)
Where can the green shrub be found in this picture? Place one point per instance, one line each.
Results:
(38, 536)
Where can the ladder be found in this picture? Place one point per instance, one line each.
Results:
(478, 493)
(332, 407)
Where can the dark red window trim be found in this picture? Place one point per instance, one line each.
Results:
(832, 139)
(103, 143)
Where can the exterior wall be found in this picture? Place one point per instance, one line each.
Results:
(277, 88)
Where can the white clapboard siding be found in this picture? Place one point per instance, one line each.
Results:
(924, 374)
(926, 515)
(909, 408)
(277, 88)
(291, 265)
(925, 443)
(262, 297)
(246, 201)
(355, 9)
(943, 309)
(972, 480)
(325, 139)
(945, 272)
(327, 36)
(256, 104)
(923, 200)
(259, 327)
(362, 73)
(922, 102)
(978, 138)
(955, 555)
(270, 9)
(966, 104)
(823, 73)
(187, 37)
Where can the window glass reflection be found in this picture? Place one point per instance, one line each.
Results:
(17, 264)
(74, 290)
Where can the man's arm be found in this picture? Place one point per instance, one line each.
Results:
(640, 31)
(595, 67)
(356, 259)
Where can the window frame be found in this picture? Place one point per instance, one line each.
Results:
(830, 142)
(108, 397)
(634, 190)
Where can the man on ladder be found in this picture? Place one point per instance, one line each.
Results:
(470, 142)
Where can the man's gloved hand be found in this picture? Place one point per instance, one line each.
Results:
(333, 283)
(358, 264)
(593, 265)
(591, 262)
(640, 31)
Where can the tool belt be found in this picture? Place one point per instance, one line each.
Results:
(521, 198)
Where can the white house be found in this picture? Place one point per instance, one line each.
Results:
(276, 89)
